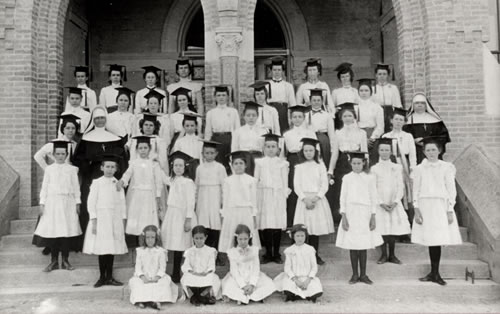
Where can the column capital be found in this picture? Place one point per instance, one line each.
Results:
(229, 40)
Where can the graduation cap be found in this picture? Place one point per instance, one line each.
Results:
(82, 68)
(109, 157)
(299, 108)
(262, 85)
(124, 91)
(343, 68)
(360, 155)
(365, 81)
(183, 61)
(312, 62)
(316, 92)
(400, 111)
(189, 116)
(74, 90)
(278, 60)
(271, 137)
(179, 155)
(240, 154)
(181, 91)
(151, 69)
(222, 88)
(388, 67)
(120, 68)
(252, 105)
(346, 106)
(149, 117)
(60, 144)
(309, 141)
(69, 117)
(210, 143)
(143, 139)
(385, 141)
(153, 93)
(435, 139)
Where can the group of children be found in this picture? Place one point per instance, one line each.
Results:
(239, 188)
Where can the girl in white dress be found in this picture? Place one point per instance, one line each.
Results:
(245, 282)
(59, 208)
(189, 143)
(210, 176)
(239, 203)
(358, 206)
(392, 220)
(199, 280)
(434, 195)
(145, 181)
(271, 173)
(345, 93)
(107, 98)
(311, 184)
(299, 280)
(150, 284)
(105, 235)
(180, 216)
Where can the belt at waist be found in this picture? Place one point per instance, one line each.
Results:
(278, 103)
(222, 133)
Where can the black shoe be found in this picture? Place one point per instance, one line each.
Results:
(99, 283)
(46, 251)
(353, 280)
(195, 300)
(277, 259)
(154, 305)
(394, 260)
(382, 260)
(266, 259)
(209, 300)
(290, 297)
(113, 282)
(405, 239)
(312, 299)
(319, 261)
(366, 280)
(439, 280)
(219, 261)
(428, 277)
(52, 266)
(66, 265)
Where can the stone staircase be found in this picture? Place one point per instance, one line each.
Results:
(21, 275)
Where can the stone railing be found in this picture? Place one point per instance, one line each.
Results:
(9, 196)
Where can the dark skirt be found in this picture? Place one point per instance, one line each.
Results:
(172, 142)
(61, 243)
(250, 170)
(341, 169)
(132, 240)
(291, 202)
(282, 108)
(224, 149)
(326, 155)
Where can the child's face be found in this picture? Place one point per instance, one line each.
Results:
(153, 105)
(297, 118)
(148, 128)
(123, 103)
(60, 155)
(100, 122)
(316, 102)
(271, 149)
(242, 239)
(299, 237)
(199, 239)
(260, 96)
(382, 76)
(109, 168)
(143, 150)
(384, 151)
(345, 79)
(209, 153)
(179, 166)
(182, 101)
(250, 116)
(398, 121)
(115, 77)
(347, 117)
(189, 126)
(221, 98)
(81, 78)
(69, 130)
(309, 151)
(150, 238)
(74, 99)
(239, 166)
(357, 164)
(150, 79)
(364, 92)
(431, 152)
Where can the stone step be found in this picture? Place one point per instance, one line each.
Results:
(86, 275)
(34, 257)
(405, 251)
(338, 296)
(30, 212)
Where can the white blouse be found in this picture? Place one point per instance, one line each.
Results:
(310, 177)
(199, 260)
(282, 91)
(358, 189)
(405, 144)
(387, 95)
(271, 173)
(435, 180)
(189, 144)
(304, 93)
(210, 173)
(103, 195)
(345, 94)
(389, 181)
(352, 138)
(371, 115)
(293, 136)
(300, 261)
(221, 119)
(150, 262)
(108, 95)
(121, 123)
(141, 103)
(144, 174)
(60, 179)
(158, 151)
(244, 265)
(248, 138)
(269, 119)
(321, 121)
(239, 190)
(182, 194)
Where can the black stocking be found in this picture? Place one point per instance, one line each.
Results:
(362, 262)
(354, 262)
(435, 256)
(276, 242)
(176, 273)
(391, 241)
